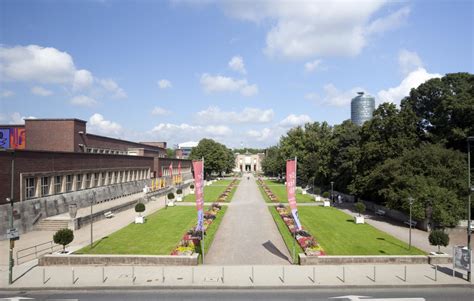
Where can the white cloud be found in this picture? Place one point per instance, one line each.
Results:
(83, 101)
(159, 111)
(237, 64)
(333, 96)
(293, 120)
(6, 93)
(98, 125)
(111, 86)
(17, 118)
(311, 96)
(312, 66)
(220, 83)
(412, 80)
(409, 61)
(175, 133)
(261, 135)
(47, 65)
(164, 84)
(247, 115)
(40, 91)
(82, 79)
(305, 29)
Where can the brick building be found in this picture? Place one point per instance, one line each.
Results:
(55, 162)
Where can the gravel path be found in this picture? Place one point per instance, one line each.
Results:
(248, 234)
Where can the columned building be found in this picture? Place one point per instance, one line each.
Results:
(248, 162)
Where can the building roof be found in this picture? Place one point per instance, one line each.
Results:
(55, 119)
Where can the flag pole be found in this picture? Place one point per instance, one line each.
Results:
(296, 226)
(202, 229)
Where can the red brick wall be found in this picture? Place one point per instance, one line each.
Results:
(53, 135)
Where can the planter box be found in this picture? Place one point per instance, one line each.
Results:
(327, 204)
(317, 198)
(359, 219)
(139, 220)
(170, 203)
(179, 198)
(191, 191)
(303, 192)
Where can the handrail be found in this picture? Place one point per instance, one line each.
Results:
(39, 249)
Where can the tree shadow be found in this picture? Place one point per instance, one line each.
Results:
(274, 250)
(390, 242)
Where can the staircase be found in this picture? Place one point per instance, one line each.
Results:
(51, 224)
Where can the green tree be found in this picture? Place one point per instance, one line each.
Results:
(170, 153)
(217, 157)
(63, 237)
(438, 238)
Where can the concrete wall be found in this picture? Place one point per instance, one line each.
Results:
(140, 260)
(28, 213)
(341, 260)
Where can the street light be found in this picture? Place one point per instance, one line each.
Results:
(410, 200)
(332, 192)
(470, 190)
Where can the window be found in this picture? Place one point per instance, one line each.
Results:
(96, 179)
(88, 181)
(78, 182)
(57, 184)
(69, 183)
(30, 188)
(111, 177)
(44, 186)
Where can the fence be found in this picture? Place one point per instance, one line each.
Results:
(30, 253)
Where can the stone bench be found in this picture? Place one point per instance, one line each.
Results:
(412, 223)
(108, 214)
(380, 212)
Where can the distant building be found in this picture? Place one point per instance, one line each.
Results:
(248, 162)
(362, 108)
(184, 149)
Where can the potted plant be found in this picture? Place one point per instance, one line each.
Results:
(438, 238)
(179, 195)
(139, 208)
(360, 208)
(191, 189)
(63, 237)
(170, 198)
(326, 199)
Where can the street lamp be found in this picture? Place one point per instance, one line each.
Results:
(410, 200)
(332, 192)
(470, 190)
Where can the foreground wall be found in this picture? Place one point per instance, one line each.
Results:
(142, 260)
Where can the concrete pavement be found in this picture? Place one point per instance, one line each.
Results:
(248, 234)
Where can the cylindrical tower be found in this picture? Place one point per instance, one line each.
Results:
(362, 108)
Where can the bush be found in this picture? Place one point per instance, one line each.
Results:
(191, 186)
(179, 191)
(326, 194)
(170, 196)
(63, 237)
(438, 238)
(317, 190)
(140, 207)
(360, 207)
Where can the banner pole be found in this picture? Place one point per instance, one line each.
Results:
(294, 234)
(202, 229)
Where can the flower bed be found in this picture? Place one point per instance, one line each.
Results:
(307, 242)
(267, 191)
(223, 197)
(190, 240)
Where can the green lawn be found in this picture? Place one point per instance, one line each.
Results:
(337, 233)
(280, 191)
(212, 192)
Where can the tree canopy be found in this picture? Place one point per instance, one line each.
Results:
(217, 157)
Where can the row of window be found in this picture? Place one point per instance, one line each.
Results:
(165, 171)
(48, 185)
(105, 151)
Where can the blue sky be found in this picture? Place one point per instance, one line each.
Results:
(241, 72)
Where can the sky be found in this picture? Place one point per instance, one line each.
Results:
(240, 72)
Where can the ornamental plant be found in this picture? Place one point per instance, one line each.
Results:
(139, 208)
(438, 238)
(360, 207)
(170, 196)
(326, 194)
(179, 191)
(63, 237)
(191, 186)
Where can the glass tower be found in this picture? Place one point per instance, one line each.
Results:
(362, 108)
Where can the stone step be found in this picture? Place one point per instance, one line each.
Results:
(51, 225)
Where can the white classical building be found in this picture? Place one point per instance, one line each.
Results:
(248, 162)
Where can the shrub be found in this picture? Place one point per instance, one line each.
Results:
(139, 207)
(191, 186)
(326, 194)
(170, 196)
(317, 190)
(179, 191)
(360, 207)
(63, 237)
(438, 238)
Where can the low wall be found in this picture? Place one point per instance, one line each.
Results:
(139, 260)
(340, 260)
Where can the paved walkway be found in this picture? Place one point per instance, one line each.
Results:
(248, 234)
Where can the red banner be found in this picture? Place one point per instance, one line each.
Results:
(199, 191)
(179, 168)
(291, 190)
(171, 169)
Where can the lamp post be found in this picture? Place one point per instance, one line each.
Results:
(470, 190)
(12, 240)
(410, 200)
(332, 192)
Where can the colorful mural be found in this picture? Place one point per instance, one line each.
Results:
(13, 138)
(4, 138)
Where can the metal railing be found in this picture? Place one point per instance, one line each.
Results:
(31, 253)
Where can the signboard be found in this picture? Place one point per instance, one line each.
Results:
(4, 138)
(291, 190)
(13, 234)
(198, 167)
(462, 258)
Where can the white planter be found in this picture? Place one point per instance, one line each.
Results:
(304, 192)
(327, 204)
(170, 203)
(179, 198)
(191, 191)
(317, 198)
(359, 219)
(139, 220)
